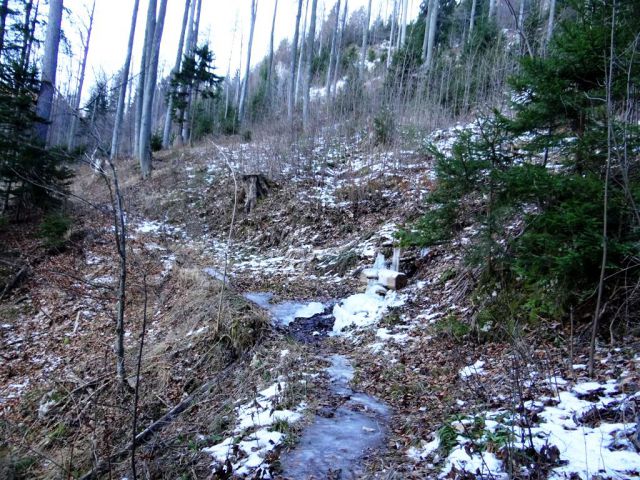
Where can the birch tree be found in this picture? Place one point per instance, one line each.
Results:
(492, 8)
(122, 94)
(49, 68)
(149, 90)
(83, 68)
(365, 41)
(245, 88)
(394, 21)
(166, 133)
(308, 66)
(292, 73)
(333, 53)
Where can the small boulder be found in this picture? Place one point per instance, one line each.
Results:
(391, 279)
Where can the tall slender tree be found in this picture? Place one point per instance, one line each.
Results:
(394, 22)
(245, 88)
(83, 68)
(472, 19)
(192, 42)
(311, 38)
(49, 68)
(433, 22)
(4, 11)
(149, 90)
(333, 54)
(166, 133)
(403, 27)
(550, 21)
(144, 66)
(340, 37)
(365, 42)
(292, 73)
(122, 94)
(271, 46)
(301, 56)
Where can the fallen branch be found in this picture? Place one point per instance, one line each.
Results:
(144, 436)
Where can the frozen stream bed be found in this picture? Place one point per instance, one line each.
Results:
(340, 436)
(307, 322)
(336, 442)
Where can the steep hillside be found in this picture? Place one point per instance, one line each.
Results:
(291, 369)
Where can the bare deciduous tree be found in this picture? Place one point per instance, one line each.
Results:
(245, 88)
(149, 91)
(117, 125)
(308, 66)
(166, 132)
(292, 73)
(49, 68)
(83, 68)
(365, 41)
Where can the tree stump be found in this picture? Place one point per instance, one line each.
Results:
(255, 187)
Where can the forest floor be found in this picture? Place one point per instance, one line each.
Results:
(274, 388)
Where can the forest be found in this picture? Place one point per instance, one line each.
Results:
(320, 239)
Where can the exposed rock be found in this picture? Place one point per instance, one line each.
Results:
(392, 280)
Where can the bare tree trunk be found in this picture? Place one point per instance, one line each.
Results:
(117, 125)
(426, 31)
(365, 41)
(192, 42)
(144, 67)
(403, 27)
(552, 14)
(4, 11)
(472, 19)
(333, 53)
(492, 8)
(166, 133)
(292, 73)
(271, 41)
(605, 213)
(394, 21)
(340, 37)
(433, 23)
(303, 44)
(49, 67)
(76, 107)
(245, 89)
(521, 15)
(149, 91)
(308, 67)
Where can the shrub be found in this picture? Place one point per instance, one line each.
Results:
(156, 142)
(383, 127)
(53, 230)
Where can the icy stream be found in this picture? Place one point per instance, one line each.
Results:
(335, 443)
